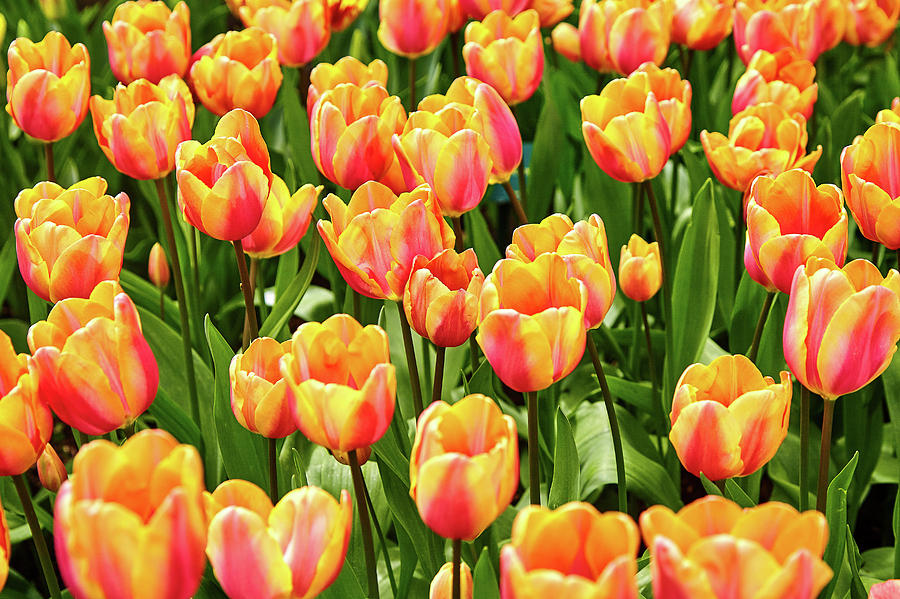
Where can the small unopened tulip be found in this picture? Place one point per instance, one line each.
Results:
(284, 220)
(302, 27)
(442, 583)
(784, 78)
(259, 396)
(871, 22)
(412, 28)
(552, 12)
(701, 24)
(348, 69)
(147, 40)
(640, 269)
(51, 470)
(5, 548)
(158, 266)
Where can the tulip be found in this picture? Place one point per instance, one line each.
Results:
(464, 468)
(223, 184)
(871, 22)
(342, 381)
(148, 41)
(302, 27)
(672, 92)
(292, 550)
(344, 12)
(376, 237)
(783, 78)
(531, 321)
(412, 28)
(141, 126)
(47, 86)
(68, 240)
(51, 471)
(789, 220)
(762, 140)
(238, 69)
(755, 270)
(442, 583)
(506, 53)
(621, 35)
(701, 24)
(572, 551)
(93, 366)
(640, 269)
(348, 69)
(567, 42)
(889, 589)
(479, 9)
(552, 12)
(158, 267)
(284, 220)
(713, 548)
(130, 521)
(259, 395)
(891, 114)
(5, 548)
(810, 27)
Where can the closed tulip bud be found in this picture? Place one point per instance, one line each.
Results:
(284, 220)
(47, 86)
(479, 9)
(150, 492)
(567, 42)
(507, 53)
(5, 548)
(302, 27)
(891, 114)
(140, 128)
(531, 321)
(558, 553)
(889, 589)
(640, 269)
(375, 238)
(442, 583)
(348, 69)
(464, 468)
(51, 470)
(783, 78)
(93, 366)
(223, 184)
(259, 395)
(412, 28)
(842, 325)
(871, 22)
(762, 140)
(362, 455)
(789, 220)
(344, 12)
(810, 27)
(25, 421)
(713, 548)
(68, 240)
(147, 40)
(342, 382)
(608, 31)
(158, 266)
(441, 299)
(552, 12)
(701, 24)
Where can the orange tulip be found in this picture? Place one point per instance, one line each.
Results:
(342, 382)
(464, 468)
(762, 140)
(479, 9)
(302, 27)
(92, 364)
(810, 27)
(573, 551)
(783, 78)
(640, 269)
(441, 298)
(51, 471)
(259, 396)
(531, 327)
(130, 520)
(582, 246)
(223, 184)
(672, 92)
(842, 325)
(284, 220)
(238, 69)
(567, 42)
(701, 24)
(889, 589)
(68, 240)
(621, 35)
(247, 530)
(714, 549)
(344, 12)
(5, 548)
(507, 53)
(25, 421)
(47, 86)
(158, 266)
(442, 583)
(412, 28)
(552, 12)
(871, 22)
(147, 40)
(348, 69)
(141, 126)
(891, 114)
(727, 418)
(376, 237)
(789, 220)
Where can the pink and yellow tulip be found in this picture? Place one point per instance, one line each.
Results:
(810, 27)
(158, 267)
(442, 584)
(701, 24)
(783, 77)
(479, 9)
(302, 27)
(344, 12)
(5, 548)
(259, 395)
(640, 269)
(147, 40)
(412, 28)
(284, 220)
(871, 22)
(51, 471)
(348, 69)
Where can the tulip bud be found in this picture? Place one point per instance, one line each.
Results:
(284, 221)
(640, 269)
(412, 28)
(442, 583)
(783, 78)
(567, 42)
(51, 470)
(701, 24)
(362, 455)
(158, 266)
(5, 548)
(148, 41)
(259, 396)
(302, 27)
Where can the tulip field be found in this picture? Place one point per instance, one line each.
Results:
(450, 299)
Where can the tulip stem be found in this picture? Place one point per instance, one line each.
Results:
(658, 234)
(804, 448)
(438, 373)
(534, 449)
(457, 559)
(412, 84)
(454, 52)
(48, 154)
(180, 296)
(458, 232)
(898, 258)
(162, 303)
(273, 470)
(514, 200)
(37, 535)
(825, 455)
(521, 168)
(381, 541)
(613, 425)
(760, 325)
(473, 353)
(652, 366)
(411, 365)
(247, 289)
(359, 489)
(254, 266)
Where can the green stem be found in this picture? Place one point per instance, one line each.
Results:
(804, 448)
(194, 241)
(825, 455)
(458, 232)
(37, 535)
(411, 365)
(514, 200)
(273, 470)
(457, 560)
(534, 450)
(437, 388)
(660, 238)
(613, 425)
(412, 85)
(259, 286)
(359, 489)
(48, 155)
(247, 289)
(426, 367)
(760, 325)
(651, 364)
(521, 168)
(381, 541)
(76, 436)
(473, 353)
(454, 52)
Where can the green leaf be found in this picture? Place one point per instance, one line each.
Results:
(146, 295)
(566, 484)
(737, 494)
(290, 299)
(297, 126)
(172, 417)
(854, 559)
(346, 586)
(546, 154)
(836, 515)
(7, 266)
(485, 585)
(482, 242)
(710, 486)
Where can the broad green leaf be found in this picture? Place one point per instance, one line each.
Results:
(854, 559)
(297, 125)
(485, 584)
(836, 515)
(477, 230)
(737, 494)
(7, 265)
(146, 295)
(709, 486)
(566, 483)
(546, 155)
(289, 300)
(172, 417)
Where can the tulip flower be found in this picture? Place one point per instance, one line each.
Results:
(302, 27)
(223, 184)
(889, 589)
(412, 28)
(147, 40)
(93, 366)
(762, 140)
(141, 126)
(621, 35)
(531, 321)
(238, 69)
(567, 42)
(871, 22)
(572, 551)
(442, 583)
(5, 548)
(47, 86)
(259, 395)
(713, 548)
(376, 237)
(51, 471)
(158, 267)
(68, 240)
(284, 220)
(891, 114)
(25, 421)
(552, 12)
(344, 12)
(640, 269)
(342, 382)
(292, 550)
(506, 53)
(783, 78)
(130, 520)
(348, 69)
(810, 27)
(701, 24)
(755, 270)
(464, 468)
(672, 92)
(789, 220)
(842, 325)
(479, 9)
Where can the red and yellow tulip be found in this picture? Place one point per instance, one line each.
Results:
(302, 27)
(552, 12)
(640, 269)
(259, 395)
(5, 548)
(871, 22)
(147, 40)
(412, 28)
(51, 471)
(701, 24)
(158, 266)
(810, 27)
(442, 583)
(348, 69)
(783, 77)
(344, 12)
(284, 220)
(479, 9)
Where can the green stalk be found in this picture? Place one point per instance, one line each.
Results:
(804, 448)
(381, 541)
(760, 325)
(247, 289)
(457, 559)
(514, 200)
(660, 238)
(37, 535)
(437, 388)
(412, 85)
(534, 450)
(410, 360)
(613, 425)
(473, 353)
(48, 155)
(273, 470)
(825, 455)
(359, 489)
(654, 386)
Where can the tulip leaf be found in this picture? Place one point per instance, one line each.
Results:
(566, 483)
(836, 515)
(735, 493)
(482, 242)
(345, 586)
(546, 154)
(289, 300)
(146, 295)
(7, 266)
(172, 417)
(854, 559)
(296, 123)
(485, 585)
(709, 486)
